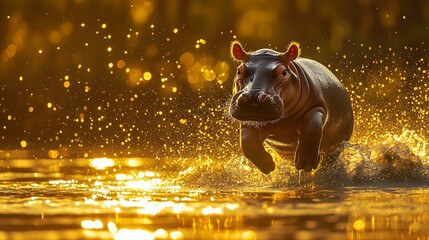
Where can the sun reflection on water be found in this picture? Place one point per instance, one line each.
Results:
(133, 201)
(102, 163)
(157, 201)
(92, 224)
(148, 195)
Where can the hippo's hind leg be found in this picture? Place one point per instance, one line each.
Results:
(307, 155)
(253, 150)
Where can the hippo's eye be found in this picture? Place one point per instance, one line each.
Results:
(238, 72)
(284, 73)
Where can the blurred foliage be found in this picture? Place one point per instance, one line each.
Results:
(152, 77)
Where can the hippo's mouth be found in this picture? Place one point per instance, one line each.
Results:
(259, 119)
(267, 112)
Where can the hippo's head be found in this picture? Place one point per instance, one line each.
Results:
(261, 80)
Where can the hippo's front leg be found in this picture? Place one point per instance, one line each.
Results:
(253, 150)
(311, 131)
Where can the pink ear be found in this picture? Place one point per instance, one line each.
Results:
(292, 52)
(237, 51)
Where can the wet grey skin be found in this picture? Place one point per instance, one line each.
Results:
(294, 105)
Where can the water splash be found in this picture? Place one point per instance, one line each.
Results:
(399, 159)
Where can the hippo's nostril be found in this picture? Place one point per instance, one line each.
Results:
(244, 97)
(262, 98)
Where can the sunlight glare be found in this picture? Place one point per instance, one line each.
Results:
(177, 235)
(102, 163)
(91, 224)
(160, 234)
(112, 227)
(211, 210)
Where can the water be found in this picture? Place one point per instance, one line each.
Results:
(370, 192)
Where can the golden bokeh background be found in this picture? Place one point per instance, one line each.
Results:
(151, 78)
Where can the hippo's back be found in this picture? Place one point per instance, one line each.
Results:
(327, 87)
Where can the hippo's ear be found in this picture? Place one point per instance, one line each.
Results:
(292, 52)
(237, 51)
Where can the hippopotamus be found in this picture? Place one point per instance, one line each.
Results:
(293, 105)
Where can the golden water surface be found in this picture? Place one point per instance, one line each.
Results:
(135, 198)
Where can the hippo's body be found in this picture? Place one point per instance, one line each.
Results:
(295, 105)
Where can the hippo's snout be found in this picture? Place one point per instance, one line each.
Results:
(253, 99)
(256, 106)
